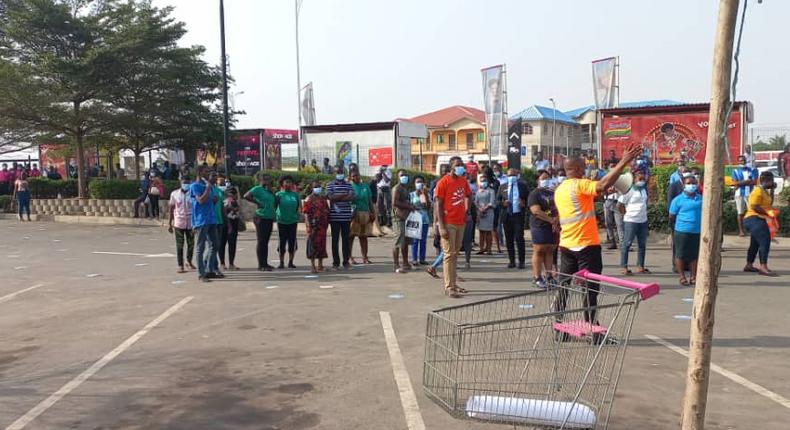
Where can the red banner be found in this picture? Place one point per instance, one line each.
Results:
(667, 135)
(380, 157)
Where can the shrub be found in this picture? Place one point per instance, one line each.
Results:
(114, 189)
(43, 188)
(5, 203)
(530, 176)
(658, 217)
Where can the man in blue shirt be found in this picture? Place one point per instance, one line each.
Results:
(743, 177)
(145, 185)
(203, 214)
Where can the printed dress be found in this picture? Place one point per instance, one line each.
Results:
(316, 211)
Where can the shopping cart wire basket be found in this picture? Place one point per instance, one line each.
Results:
(549, 359)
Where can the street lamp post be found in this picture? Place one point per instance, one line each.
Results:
(297, 5)
(225, 120)
(553, 129)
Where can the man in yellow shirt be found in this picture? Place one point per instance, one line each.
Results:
(580, 246)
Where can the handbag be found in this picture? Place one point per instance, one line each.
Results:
(414, 225)
(154, 191)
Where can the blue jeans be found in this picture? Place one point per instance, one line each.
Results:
(633, 230)
(438, 261)
(418, 246)
(23, 202)
(205, 247)
(216, 239)
(761, 239)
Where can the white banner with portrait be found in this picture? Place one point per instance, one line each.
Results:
(604, 82)
(307, 105)
(496, 108)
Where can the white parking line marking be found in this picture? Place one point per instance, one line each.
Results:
(411, 409)
(759, 389)
(40, 408)
(8, 297)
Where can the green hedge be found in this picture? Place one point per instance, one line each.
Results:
(5, 203)
(43, 188)
(123, 189)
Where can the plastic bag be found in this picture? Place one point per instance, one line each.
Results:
(414, 225)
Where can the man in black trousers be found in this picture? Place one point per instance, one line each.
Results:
(512, 197)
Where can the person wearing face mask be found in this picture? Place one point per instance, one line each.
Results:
(203, 213)
(560, 176)
(287, 214)
(485, 204)
(685, 218)
(756, 223)
(364, 215)
(316, 212)
(401, 209)
(633, 206)
(613, 228)
(262, 196)
(512, 198)
(180, 223)
(452, 200)
(743, 178)
(544, 227)
(340, 195)
(421, 200)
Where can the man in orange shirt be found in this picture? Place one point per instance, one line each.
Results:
(452, 201)
(580, 245)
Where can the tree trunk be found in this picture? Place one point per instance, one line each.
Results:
(82, 183)
(136, 164)
(701, 334)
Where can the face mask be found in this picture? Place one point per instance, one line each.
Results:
(185, 187)
(690, 188)
(340, 177)
(743, 165)
(545, 183)
(459, 170)
(484, 184)
(404, 180)
(696, 177)
(317, 190)
(560, 179)
(512, 179)
(640, 184)
(419, 185)
(640, 162)
(498, 174)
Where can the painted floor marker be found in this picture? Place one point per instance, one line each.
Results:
(47, 403)
(688, 300)
(408, 400)
(271, 287)
(93, 275)
(759, 389)
(135, 254)
(326, 287)
(141, 264)
(311, 276)
(179, 282)
(20, 267)
(8, 297)
(396, 296)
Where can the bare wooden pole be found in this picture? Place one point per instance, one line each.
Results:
(701, 336)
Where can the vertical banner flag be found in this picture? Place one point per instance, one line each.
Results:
(604, 82)
(494, 99)
(514, 145)
(308, 105)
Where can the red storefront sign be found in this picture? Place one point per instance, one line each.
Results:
(666, 135)
(380, 156)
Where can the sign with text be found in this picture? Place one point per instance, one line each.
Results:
(380, 156)
(514, 149)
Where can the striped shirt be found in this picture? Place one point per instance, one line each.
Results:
(341, 210)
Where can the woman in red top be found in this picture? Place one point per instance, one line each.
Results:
(316, 211)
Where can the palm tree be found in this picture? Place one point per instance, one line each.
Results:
(778, 142)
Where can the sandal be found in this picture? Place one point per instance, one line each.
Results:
(692, 281)
(684, 282)
(769, 273)
(452, 293)
(644, 270)
(431, 271)
(627, 272)
(461, 290)
(751, 269)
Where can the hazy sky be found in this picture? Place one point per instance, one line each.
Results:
(376, 60)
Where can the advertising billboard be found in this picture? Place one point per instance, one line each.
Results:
(274, 139)
(667, 136)
(244, 152)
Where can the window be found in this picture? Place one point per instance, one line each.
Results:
(481, 137)
(451, 141)
(440, 138)
(470, 141)
(526, 128)
(545, 128)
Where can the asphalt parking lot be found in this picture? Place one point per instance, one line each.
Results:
(118, 340)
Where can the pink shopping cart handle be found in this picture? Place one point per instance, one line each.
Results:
(646, 291)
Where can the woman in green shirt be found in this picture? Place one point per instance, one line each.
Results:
(288, 206)
(264, 217)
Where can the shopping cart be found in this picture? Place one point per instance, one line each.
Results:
(548, 359)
